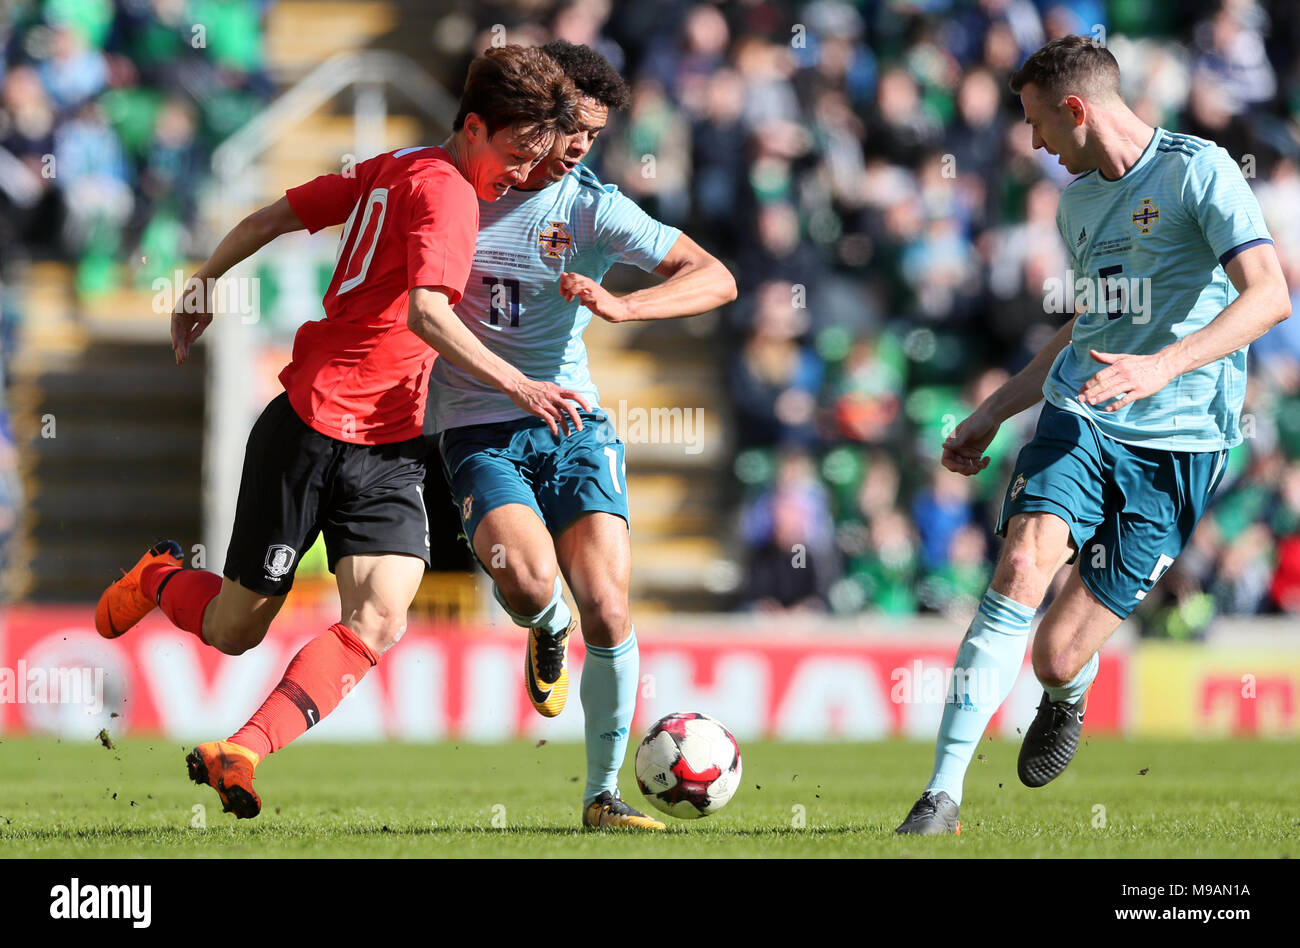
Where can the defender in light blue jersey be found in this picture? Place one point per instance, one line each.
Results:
(1173, 276)
(534, 503)
(1154, 243)
(527, 241)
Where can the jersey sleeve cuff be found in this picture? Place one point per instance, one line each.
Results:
(1228, 255)
(453, 294)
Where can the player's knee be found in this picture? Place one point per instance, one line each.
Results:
(529, 589)
(379, 626)
(383, 637)
(605, 620)
(1055, 670)
(1021, 562)
(1026, 570)
(236, 638)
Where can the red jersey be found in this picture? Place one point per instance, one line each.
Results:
(360, 375)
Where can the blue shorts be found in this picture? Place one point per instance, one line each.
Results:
(521, 462)
(1130, 510)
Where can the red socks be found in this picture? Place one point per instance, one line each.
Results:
(185, 593)
(326, 669)
(315, 682)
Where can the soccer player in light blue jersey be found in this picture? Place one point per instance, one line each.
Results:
(534, 504)
(1173, 276)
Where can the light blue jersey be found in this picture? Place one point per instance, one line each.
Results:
(1163, 233)
(512, 302)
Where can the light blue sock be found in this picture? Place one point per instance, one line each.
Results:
(1073, 691)
(609, 681)
(984, 672)
(555, 618)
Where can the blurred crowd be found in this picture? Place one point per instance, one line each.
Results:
(867, 173)
(109, 111)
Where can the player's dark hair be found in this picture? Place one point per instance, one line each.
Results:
(1068, 66)
(518, 87)
(591, 73)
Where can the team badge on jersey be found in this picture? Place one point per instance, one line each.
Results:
(1018, 486)
(555, 239)
(466, 507)
(278, 560)
(1146, 214)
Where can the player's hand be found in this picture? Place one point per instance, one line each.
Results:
(547, 400)
(593, 296)
(188, 326)
(963, 450)
(1125, 379)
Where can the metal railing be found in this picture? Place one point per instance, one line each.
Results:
(370, 71)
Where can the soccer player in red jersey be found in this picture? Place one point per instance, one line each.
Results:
(340, 452)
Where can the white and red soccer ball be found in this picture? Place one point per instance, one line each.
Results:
(688, 765)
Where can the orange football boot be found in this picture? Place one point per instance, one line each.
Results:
(123, 605)
(228, 769)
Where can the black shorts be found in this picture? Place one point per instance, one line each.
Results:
(298, 483)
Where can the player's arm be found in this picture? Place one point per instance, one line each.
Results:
(1262, 304)
(193, 310)
(431, 317)
(695, 282)
(963, 450)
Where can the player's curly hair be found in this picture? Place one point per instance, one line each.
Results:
(520, 87)
(1070, 65)
(591, 73)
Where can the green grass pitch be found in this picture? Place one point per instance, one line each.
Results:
(1119, 799)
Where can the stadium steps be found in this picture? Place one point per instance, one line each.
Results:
(302, 34)
(319, 143)
(120, 467)
(437, 37)
(128, 312)
(51, 332)
(49, 338)
(681, 559)
(665, 503)
(450, 597)
(59, 325)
